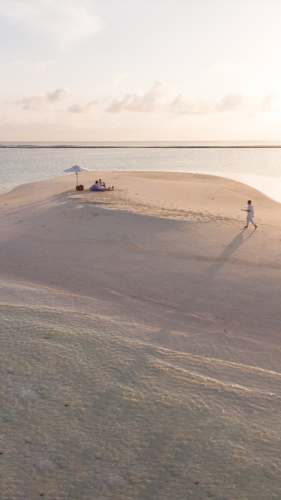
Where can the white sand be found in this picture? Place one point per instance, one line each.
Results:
(155, 317)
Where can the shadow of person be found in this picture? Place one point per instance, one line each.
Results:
(209, 285)
(227, 253)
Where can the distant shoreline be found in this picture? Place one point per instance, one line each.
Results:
(140, 147)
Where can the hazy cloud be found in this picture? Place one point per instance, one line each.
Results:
(57, 95)
(145, 103)
(82, 109)
(119, 78)
(13, 64)
(67, 21)
(33, 67)
(184, 105)
(232, 102)
(42, 102)
(41, 65)
(268, 102)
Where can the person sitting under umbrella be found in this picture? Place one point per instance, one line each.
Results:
(97, 187)
(100, 186)
(104, 185)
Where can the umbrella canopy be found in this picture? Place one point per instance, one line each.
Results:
(76, 169)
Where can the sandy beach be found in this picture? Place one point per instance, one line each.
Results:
(140, 340)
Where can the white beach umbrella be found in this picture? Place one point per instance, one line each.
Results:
(76, 169)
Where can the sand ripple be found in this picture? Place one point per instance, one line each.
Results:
(94, 407)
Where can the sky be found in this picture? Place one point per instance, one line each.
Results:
(129, 70)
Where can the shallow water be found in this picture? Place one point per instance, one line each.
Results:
(259, 168)
(94, 406)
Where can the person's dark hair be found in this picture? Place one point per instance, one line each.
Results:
(249, 202)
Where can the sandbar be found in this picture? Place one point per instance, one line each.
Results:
(141, 339)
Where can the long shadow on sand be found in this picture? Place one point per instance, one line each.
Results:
(227, 253)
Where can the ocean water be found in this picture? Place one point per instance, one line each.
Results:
(95, 407)
(250, 164)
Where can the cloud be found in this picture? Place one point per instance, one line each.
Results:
(82, 109)
(30, 67)
(119, 78)
(13, 64)
(145, 103)
(41, 65)
(184, 105)
(42, 102)
(232, 102)
(268, 101)
(57, 95)
(67, 21)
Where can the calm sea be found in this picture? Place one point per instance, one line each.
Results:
(255, 164)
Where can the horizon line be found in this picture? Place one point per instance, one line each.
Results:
(191, 146)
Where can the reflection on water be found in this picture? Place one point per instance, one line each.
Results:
(269, 185)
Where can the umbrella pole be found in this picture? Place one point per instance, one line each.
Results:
(76, 178)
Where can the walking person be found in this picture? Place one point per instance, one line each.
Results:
(250, 214)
